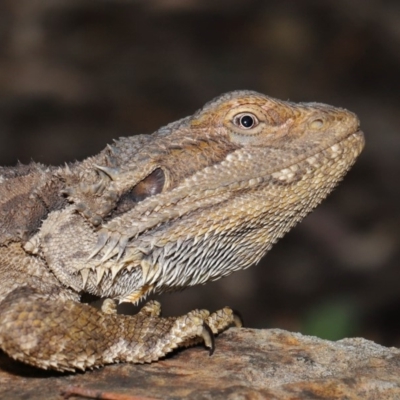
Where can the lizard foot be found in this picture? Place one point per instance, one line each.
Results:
(66, 335)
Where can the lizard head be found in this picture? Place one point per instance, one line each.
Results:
(252, 119)
(201, 197)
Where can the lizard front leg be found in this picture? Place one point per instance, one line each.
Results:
(67, 335)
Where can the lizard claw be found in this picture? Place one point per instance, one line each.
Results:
(208, 338)
(237, 319)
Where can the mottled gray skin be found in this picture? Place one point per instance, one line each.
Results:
(194, 201)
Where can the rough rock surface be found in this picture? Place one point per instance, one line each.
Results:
(247, 364)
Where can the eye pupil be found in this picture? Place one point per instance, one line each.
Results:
(247, 121)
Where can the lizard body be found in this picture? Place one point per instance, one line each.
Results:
(193, 202)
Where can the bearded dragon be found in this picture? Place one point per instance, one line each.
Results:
(195, 201)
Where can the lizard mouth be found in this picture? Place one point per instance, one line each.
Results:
(346, 149)
(358, 138)
(350, 145)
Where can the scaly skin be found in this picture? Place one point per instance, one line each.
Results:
(196, 200)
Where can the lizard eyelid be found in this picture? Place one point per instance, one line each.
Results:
(245, 124)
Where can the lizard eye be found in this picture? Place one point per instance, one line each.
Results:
(245, 120)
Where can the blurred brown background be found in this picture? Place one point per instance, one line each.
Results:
(74, 74)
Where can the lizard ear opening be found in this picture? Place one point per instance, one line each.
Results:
(151, 185)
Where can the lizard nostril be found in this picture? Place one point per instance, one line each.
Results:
(317, 123)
